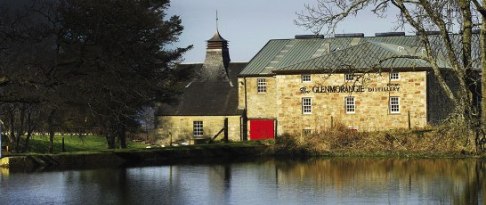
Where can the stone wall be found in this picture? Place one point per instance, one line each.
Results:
(241, 93)
(146, 157)
(372, 93)
(181, 127)
(261, 105)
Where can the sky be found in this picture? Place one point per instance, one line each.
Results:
(249, 24)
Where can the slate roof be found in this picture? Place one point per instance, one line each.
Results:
(325, 54)
(207, 98)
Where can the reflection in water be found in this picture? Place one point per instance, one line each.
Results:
(393, 181)
(4, 171)
(311, 181)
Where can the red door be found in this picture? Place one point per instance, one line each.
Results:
(261, 129)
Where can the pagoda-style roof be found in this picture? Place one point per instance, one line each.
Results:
(217, 42)
(216, 38)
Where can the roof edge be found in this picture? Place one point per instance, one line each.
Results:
(261, 49)
(205, 115)
(256, 75)
(406, 69)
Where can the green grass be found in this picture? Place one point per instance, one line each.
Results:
(91, 144)
(40, 144)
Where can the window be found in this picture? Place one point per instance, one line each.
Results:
(261, 85)
(348, 77)
(197, 127)
(306, 105)
(394, 75)
(349, 104)
(307, 132)
(394, 105)
(306, 78)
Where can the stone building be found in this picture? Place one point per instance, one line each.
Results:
(207, 101)
(310, 84)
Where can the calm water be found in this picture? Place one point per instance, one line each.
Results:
(312, 181)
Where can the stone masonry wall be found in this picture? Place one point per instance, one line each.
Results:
(241, 94)
(261, 105)
(371, 98)
(181, 127)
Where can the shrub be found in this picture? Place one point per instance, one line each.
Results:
(431, 140)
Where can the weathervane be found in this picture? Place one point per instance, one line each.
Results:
(217, 29)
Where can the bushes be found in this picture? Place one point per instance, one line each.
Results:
(342, 140)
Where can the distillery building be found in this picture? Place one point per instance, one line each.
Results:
(309, 84)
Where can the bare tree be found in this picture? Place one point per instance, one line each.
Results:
(456, 22)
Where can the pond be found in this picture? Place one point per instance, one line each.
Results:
(263, 181)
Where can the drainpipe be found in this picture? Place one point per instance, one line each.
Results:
(245, 135)
(246, 98)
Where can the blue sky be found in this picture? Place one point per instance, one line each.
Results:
(249, 24)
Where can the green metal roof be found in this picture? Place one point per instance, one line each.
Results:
(322, 54)
(362, 57)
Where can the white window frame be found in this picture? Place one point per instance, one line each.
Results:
(348, 77)
(261, 85)
(198, 128)
(394, 104)
(306, 78)
(394, 75)
(350, 104)
(306, 105)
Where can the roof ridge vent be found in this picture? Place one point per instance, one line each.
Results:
(390, 34)
(349, 35)
(309, 36)
(429, 33)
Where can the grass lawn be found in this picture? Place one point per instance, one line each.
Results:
(93, 144)
(40, 143)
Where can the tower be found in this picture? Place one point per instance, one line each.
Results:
(217, 59)
(215, 67)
